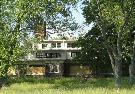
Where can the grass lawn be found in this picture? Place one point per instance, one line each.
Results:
(65, 86)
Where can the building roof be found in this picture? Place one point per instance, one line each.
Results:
(59, 41)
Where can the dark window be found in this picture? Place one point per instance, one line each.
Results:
(70, 45)
(44, 45)
(53, 45)
(73, 54)
(58, 45)
(54, 55)
(58, 55)
(39, 55)
(47, 55)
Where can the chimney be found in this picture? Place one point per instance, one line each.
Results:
(40, 32)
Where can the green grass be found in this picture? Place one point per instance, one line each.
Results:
(65, 86)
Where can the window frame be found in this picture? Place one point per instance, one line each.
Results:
(45, 45)
(73, 54)
(70, 45)
(53, 45)
(59, 45)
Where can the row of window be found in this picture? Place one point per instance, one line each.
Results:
(54, 45)
(47, 55)
(58, 45)
(52, 55)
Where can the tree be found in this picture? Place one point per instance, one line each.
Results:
(93, 52)
(15, 16)
(118, 13)
(130, 53)
(11, 48)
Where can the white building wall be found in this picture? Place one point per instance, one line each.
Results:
(63, 50)
(63, 45)
(49, 45)
(63, 55)
(69, 55)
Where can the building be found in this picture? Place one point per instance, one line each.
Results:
(51, 58)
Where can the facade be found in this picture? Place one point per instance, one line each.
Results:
(51, 58)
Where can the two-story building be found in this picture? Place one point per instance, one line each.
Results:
(52, 57)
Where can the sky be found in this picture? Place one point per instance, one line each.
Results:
(77, 14)
(78, 17)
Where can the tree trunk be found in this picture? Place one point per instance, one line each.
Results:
(118, 72)
(132, 71)
(132, 66)
(111, 59)
(116, 63)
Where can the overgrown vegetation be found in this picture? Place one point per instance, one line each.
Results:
(61, 85)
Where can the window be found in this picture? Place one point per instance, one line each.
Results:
(44, 46)
(74, 54)
(58, 45)
(70, 45)
(58, 55)
(53, 45)
(54, 55)
(53, 68)
(47, 55)
(39, 55)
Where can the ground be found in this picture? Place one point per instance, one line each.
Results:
(65, 86)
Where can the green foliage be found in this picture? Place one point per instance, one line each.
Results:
(109, 12)
(115, 20)
(118, 14)
(16, 18)
(11, 48)
(65, 86)
(93, 51)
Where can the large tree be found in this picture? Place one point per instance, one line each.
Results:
(17, 21)
(120, 14)
(93, 52)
